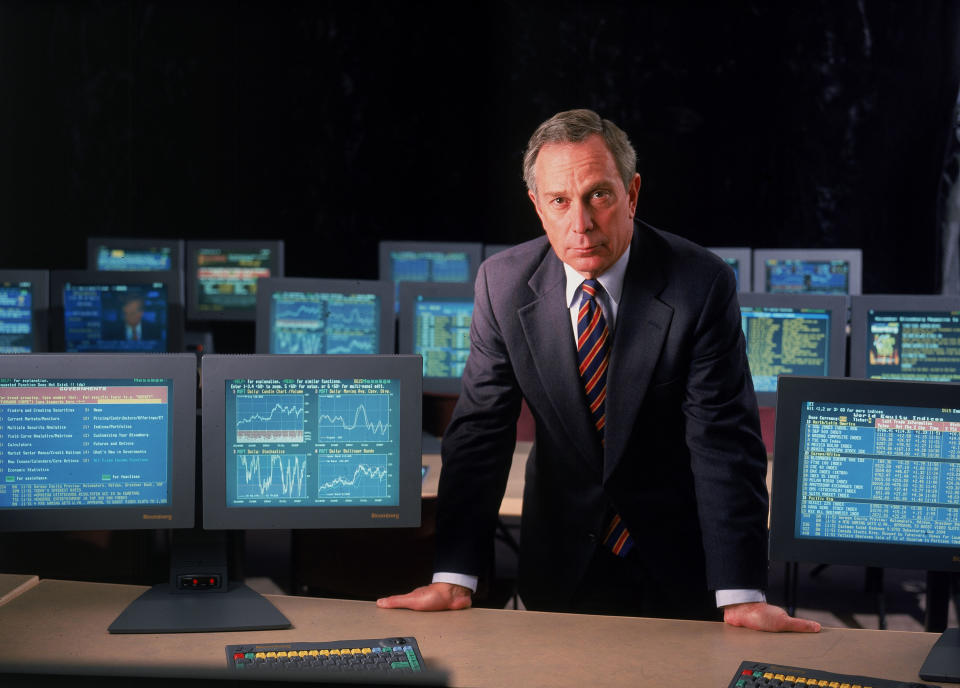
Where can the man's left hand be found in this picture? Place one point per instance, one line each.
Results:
(761, 616)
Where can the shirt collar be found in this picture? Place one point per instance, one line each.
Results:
(611, 280)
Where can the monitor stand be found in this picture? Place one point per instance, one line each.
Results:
(943, 662)
(199, 597)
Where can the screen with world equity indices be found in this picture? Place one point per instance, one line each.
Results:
(311, 441)
(868, 473)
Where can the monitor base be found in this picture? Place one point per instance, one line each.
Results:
(162, 610)
(943, 662)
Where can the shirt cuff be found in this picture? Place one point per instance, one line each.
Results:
(457, 579)
(738, 596)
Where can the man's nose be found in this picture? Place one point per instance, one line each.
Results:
(582, 219)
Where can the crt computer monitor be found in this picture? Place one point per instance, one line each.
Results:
(429, 261)
(324, 316)
(740, 261)
(905, 337)
(116, 311)
(24, 309)
(866, 474)
(434, 322)
(106, 442)
(311, 441)
(222, 277)
(808, 271)
(134, 254)
(792, 334)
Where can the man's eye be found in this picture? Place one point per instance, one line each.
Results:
(558, 201)
(600, 194)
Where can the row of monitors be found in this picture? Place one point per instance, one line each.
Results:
(108, 442)
(222, 276)
(143, 312)
(892, 336)
(795, 271)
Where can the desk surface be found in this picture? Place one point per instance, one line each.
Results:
(66, 622)
(13, 584)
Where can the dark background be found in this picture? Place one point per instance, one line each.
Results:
(333, 125)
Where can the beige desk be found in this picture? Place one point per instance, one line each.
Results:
(13, 584)
(479, 647)
(513, 498)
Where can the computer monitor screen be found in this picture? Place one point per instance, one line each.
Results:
(222, 277)
(905, 337)
(129, 254)
(429, 261)
(324, 316)
(122, 312)
(435, 323)
(311, 441)
(739, 260)
(97, 441)
(24, 303)
(792, 334)
(807, 271)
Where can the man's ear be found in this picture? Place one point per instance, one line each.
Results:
(633, 193)
(533, 199)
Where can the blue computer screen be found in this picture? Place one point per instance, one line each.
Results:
(441, 335)
(115, 317)
(879, 473)
(312, 442)
(430, 266)
(227, 278)
(324, 323)
(735, 266)
(785, 341)
(76, 443)
(16, 317)
(913, 345)
(135, 259)
(807, 276)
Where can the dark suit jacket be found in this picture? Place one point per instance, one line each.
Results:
(684, 463)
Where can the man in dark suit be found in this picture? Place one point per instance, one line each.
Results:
(645, 491)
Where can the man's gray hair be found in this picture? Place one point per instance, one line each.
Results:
(573, 126)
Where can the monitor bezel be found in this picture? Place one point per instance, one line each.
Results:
(135, 243)
(39, 306)
(383, 290)
(216, 369)
(853, 256)
(182, 369)
(193, 308)
(172, 280)
(744, 257)
(473, 249)
(784, 545)
(409, 291)
(859, 305)
(835, 303)
(493, 249)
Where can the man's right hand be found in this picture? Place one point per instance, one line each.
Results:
(430, 598)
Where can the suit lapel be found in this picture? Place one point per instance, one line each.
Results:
(546, 326)
(643, 321)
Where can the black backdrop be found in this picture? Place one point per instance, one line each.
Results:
(333, 125)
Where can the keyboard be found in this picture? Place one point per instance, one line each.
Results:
(761, 674)
(389, 657)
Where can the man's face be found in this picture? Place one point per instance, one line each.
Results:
(133, 312)
(585, 209)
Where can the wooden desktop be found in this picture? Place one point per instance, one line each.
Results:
(61, 627)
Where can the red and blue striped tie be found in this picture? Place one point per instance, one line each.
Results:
(593, 352)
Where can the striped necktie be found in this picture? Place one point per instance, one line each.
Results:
(593, 352)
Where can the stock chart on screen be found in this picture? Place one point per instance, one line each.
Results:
(311, 442)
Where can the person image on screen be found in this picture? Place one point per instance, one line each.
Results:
(645, 491)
